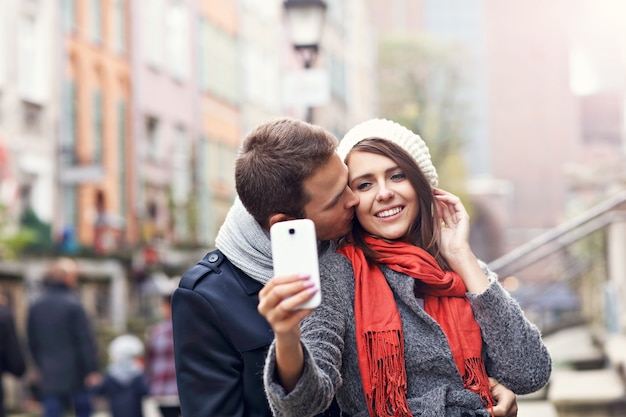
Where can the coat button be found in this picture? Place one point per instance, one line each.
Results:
(213, 257)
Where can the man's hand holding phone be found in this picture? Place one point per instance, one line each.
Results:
(294, 251)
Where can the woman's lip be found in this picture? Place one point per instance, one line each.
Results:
(388, 209)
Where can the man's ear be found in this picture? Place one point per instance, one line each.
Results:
(279, 217)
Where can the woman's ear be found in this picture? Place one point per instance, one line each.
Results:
(279, 217)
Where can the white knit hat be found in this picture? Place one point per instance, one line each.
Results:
(396, 133)
(124, 347)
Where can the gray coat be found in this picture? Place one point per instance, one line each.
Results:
(513, 349)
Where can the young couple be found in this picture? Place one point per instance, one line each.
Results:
(410, 323)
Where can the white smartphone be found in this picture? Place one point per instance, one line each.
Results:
(294, 251)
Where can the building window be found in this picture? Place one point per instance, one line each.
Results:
(223, 64)
(31, 117)
(69, 15)
(204, 194)
(96, 21)
(261, 74)
(69, 125)
(203, 55)
(122, 142)
(261, 11)
(119, 26)
(337, 78)
(212, 159)
(153, 140)
(152, 24)
(181, 184)
(70, 209)
(181, 161)
(223, 163)
(231, 155)
(97, 130)
(178, 40)
(31, 54)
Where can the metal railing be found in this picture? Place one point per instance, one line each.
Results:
(575, 274)
(563, 276)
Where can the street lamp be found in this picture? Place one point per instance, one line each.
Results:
(305, 19)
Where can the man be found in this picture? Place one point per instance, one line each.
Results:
(62, 344)
(286, 169)
(11, 357)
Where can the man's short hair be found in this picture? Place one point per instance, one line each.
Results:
(62, 269)
(274, 161)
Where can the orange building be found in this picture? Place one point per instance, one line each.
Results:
(95, 168)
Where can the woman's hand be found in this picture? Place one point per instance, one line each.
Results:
(454, 223)
(277, 303)
(454, 242)
(280, 297)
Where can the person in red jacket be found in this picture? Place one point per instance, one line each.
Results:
(160, 367)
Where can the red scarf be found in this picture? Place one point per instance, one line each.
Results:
(380, 341)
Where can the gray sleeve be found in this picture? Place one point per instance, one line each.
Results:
(322, 341)
(312, 395)
(515, 353)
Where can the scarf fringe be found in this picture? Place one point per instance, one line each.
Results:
(476, 380)
(381, 356)
(387, 395)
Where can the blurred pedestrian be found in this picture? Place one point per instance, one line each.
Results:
(62, 343)
(124, 383)
(160, 367)
(11, 356)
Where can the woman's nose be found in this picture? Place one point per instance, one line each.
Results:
(384, 193)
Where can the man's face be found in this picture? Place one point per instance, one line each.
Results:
(332, 202)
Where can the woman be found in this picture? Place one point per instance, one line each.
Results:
(411, 323)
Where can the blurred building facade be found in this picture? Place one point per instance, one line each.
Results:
(30, 106)
(95, 158)
(120, 119)
(165, 115)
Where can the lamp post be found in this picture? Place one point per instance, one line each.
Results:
(305, 19)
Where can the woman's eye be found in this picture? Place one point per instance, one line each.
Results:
(398, 176)
(363, 186)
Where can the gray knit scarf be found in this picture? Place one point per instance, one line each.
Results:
(246, 244)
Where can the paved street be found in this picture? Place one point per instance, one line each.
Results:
(149, 410)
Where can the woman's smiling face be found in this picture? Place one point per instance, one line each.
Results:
(388, 203)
